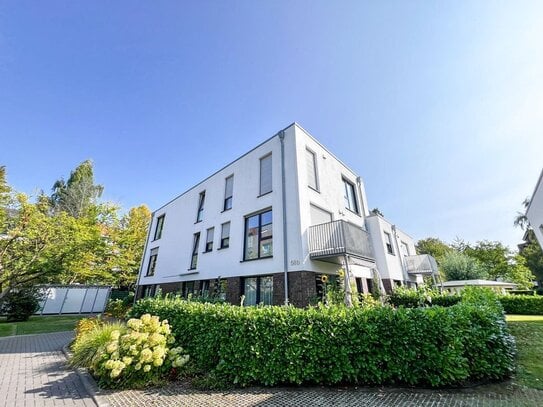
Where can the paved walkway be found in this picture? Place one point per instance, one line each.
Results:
(33, 372)
(183, 395)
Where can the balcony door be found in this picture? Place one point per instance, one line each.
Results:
(319, 215)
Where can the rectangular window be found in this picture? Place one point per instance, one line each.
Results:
(201, 200)
(149, 290)
(397, 283)
(405, 249)
(194, 259)
(258, 290)
(209, 239)
(350, 196)
(188, 288)
(152, 262)
(369, 282)
(259, 236)
(388, 243)
(228, 193)
(225, 235)
(266, 174)
(204, 288)
(159, 227)
(311, 164)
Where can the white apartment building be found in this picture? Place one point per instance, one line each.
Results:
(534, 212)
(270, 224)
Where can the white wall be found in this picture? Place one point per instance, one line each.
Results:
(329, 197)
(535, 211)
(175, 245)
(390, 266)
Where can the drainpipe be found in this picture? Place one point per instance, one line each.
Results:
(400, 257)
(284, 196)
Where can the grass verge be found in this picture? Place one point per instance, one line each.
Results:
(528, 331)
(39, 325)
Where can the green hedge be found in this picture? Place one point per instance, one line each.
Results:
(522, 304)
(421, 297)
(512, 304)
(433, 346)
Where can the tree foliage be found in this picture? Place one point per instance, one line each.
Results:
(79, 194)
(434, 247)
(68, 237)
(460, 266)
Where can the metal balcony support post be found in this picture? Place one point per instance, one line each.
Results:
(347, 283)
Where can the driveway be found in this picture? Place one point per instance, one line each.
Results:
(33, 372)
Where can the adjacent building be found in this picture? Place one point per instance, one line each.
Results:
(534, 212)
(270, 225)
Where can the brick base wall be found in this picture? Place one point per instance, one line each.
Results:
(388, 284)
(233, 290)
(302, 287)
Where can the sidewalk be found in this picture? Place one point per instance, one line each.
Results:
(33, 372)
(183, 395)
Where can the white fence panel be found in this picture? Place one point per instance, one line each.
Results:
(54, 300)
(74, 299)
(88, 303)
(101, 300)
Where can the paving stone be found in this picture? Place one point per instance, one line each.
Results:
(33, 372)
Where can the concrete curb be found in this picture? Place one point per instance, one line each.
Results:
(88, 382)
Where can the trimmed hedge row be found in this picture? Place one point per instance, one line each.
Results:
(433, 346)
(512, 304)
(522, 304)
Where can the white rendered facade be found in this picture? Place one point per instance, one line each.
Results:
(534, 213)
(309, 186)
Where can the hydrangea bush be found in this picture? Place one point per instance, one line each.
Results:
(139, 354)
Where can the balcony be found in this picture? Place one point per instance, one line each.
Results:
(333, 240)
(420, 264)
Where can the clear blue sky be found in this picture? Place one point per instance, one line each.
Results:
(438, 105)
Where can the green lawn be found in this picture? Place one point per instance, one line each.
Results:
(528, 331)
(39, 325)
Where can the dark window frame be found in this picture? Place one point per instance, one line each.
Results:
(201, 202)
(159, 227)
(151, 266)
(225, 241)
(209, 244)
(347, 201)
(388, 243)
(259, 234)
(258, 288)
(194, 257)
(228, 199)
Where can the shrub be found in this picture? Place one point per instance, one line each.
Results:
(522, 304)
(86, 325)
(460, 266)
(118, 308)
(20, 303)
(131, 355)
(434, 346)
(421, 297)
(91, 339)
